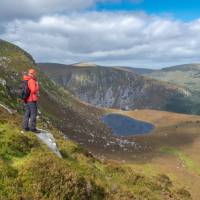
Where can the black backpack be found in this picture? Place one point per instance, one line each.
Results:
(24, 91)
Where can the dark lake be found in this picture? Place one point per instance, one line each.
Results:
(125, 126)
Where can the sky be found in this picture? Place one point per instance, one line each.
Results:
(135, 33)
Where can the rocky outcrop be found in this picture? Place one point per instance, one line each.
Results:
(48, 139)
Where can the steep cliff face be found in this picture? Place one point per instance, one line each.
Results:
(112, 87)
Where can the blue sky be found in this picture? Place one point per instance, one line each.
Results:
(185, 10)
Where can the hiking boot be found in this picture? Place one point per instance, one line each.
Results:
(25, 130)
(35, 131)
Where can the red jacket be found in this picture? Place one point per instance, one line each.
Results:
(33, 87)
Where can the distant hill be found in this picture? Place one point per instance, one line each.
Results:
(188, 76)
(183, 68)
(140, 71)
(158, 158)
(84, 64)
(113, 87)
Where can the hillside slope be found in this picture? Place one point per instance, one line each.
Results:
(26, 163)
(172, 147)
(78, 120)
(140, 71)
(187, 76)
(112, 87)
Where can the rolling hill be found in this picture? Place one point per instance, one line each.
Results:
(113, 87)
(79, 120)
(161, 165)
(188, 76)
(26, 163)
(140, 71)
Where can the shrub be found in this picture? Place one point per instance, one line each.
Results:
(14, 143)
(8, 183)
(51, 178)
(184, 194)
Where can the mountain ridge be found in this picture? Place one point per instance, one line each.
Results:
(183, 67)
(113, 87)
(25, 163)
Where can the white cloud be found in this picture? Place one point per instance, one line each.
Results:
(119, 38)
(33, 9)
(10, 9)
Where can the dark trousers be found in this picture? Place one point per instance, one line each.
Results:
(30, 115)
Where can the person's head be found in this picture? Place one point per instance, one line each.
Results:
(32, 72)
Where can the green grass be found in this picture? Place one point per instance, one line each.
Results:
(26, 163)
(14, 144)
(187, 161)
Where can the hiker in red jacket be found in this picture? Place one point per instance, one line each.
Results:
(31, 102)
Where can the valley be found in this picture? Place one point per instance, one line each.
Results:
(172, 147)
(162, 164)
